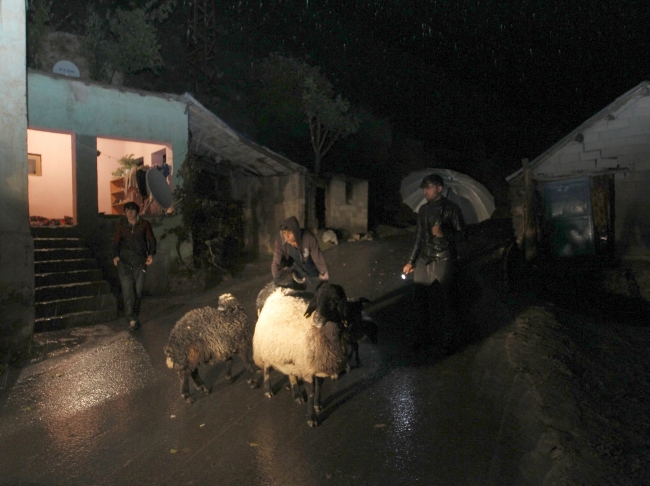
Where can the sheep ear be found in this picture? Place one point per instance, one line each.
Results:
(311, 307)
(343, 308)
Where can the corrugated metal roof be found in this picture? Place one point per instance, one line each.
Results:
(214, 138)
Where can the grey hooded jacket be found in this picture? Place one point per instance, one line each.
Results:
(312, 259)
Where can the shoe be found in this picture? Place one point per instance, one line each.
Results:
(134, 325)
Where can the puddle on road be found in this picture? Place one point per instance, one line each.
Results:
(87, 376)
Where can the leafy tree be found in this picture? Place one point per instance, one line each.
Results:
(39, 26)
(124, 40)
(295, 93)
(213, 224)
(329, 118)
(369, 149)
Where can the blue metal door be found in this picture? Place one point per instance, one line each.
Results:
(568, 208)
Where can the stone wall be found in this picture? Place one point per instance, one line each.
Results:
(346, 204)
(517, 195)
(632, 209)
(268, 201)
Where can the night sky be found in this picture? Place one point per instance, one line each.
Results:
(513, 76)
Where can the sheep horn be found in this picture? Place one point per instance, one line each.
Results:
(297, 278)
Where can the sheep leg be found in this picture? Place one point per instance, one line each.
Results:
(295, 390)
(229, 370)
(199, 382)
(312, 418)
(355, 353)
(246, 358)
(318, 384)
(267, 382)
(185, 385)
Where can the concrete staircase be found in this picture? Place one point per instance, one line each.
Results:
(69, 286)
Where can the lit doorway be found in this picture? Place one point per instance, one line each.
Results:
(114, 188)
(50, 165)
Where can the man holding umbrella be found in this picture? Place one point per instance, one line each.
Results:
(433, 259)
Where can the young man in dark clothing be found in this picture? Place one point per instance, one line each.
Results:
(298, 248)
(433, 259)
(134, 246)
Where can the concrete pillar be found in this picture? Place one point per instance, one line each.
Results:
(85, 183)
(16, 244)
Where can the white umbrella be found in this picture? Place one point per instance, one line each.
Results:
(475, 201)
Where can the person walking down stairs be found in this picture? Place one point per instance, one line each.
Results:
(134, 246)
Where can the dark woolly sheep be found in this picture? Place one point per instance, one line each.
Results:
(286, 278)
(329, 303)
(359, 325)
(287, 339)
(209, 335)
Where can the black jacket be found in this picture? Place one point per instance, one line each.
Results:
(430, 248)
(133, 243)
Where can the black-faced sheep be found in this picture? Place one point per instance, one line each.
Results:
(329, 303)
(286, 278)
(209, 335)
(359, 325)
(288, 340)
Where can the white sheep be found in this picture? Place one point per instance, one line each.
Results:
(286, 278)
(209, 335)
(292, 337)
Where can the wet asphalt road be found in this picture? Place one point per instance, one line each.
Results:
(103, 409)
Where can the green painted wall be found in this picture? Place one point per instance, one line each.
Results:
(87, 108)
(91, 110)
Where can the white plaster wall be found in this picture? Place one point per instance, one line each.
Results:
(13, 117)
(51, 194)
(620, 140)
(16, 244)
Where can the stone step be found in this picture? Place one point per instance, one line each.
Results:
(60, 307)
(47, 254)
(68, 291)
(71, 276)
(74, 319)
(55, 232)
(69, 286)
(51, 266)
(42, 243)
